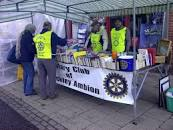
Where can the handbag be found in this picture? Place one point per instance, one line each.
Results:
(12, 56)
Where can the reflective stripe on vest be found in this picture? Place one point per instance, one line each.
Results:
(43, 45)
(118, 39)
(95, 42)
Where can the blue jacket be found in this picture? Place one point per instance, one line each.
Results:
(55, 40)
(27, 48)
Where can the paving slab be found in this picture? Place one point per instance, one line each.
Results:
(168, 125)
(77, 123)
(71, 112)
(119, 119)
(59, 117)
(94, 115)
(103, 125)
(143, 123)
(158, 114)
(11, 120)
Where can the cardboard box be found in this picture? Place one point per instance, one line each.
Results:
(160, 59)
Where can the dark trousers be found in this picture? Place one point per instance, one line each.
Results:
(28, 77)
(47, 77)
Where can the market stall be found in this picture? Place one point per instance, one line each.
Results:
(100, 75)
(117, 81)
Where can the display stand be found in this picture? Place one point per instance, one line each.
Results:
(140, 82)
(137, 88)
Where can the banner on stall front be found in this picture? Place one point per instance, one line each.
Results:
(102, 83)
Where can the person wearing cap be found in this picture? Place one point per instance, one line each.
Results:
(98, 39)
(46, 43)
(25, 52)
(120, 37)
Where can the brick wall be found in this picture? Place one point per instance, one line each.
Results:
(171, 33)
(171, 25)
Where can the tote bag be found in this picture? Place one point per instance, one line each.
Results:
(12, 56)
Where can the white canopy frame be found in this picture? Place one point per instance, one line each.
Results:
(80, 10)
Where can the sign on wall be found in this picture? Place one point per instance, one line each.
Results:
(102, 83)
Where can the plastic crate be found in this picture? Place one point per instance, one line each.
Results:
(169, 99)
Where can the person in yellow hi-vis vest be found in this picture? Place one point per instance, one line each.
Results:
(46, 43)
(98, 39)
(120, 37)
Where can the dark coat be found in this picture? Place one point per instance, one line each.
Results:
(27, 48)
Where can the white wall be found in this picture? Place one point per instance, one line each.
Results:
(57, 24)
(11, 30)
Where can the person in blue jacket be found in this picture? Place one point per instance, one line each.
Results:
(25, 52)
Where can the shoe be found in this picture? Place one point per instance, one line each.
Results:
(33, 93)
(53, 97)
(44, 98)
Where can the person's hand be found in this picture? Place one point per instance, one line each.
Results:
(85, 49)
(71, 41)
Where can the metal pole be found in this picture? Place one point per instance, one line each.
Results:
(134, 60)
(66, 28)
(70, 7)
(167, 19)
(17, 7)
(145, 76)
(84, 3)
(32, 20)
(167, 66)
(44, 2)
(134, 34)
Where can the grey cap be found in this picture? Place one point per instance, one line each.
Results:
(47, 25)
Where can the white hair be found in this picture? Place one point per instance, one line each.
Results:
(29, 27)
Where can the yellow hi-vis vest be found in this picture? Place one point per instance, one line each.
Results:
(95, 42)
(43, 45)
(118, 39)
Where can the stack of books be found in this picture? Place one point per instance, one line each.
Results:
(84, 59)
(90, 61)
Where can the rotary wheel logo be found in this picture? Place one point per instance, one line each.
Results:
(124, 64)
(41, 41)
(116, 42)
(41, 46)
(115, 85)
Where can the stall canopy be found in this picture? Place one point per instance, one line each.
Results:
(78, 10)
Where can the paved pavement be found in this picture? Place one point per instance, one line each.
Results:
(11, 120)
(76, 111)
